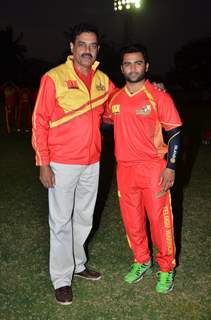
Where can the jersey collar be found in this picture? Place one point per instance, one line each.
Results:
(141, 89)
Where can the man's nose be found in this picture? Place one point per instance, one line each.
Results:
(88, 48)
(133, 67)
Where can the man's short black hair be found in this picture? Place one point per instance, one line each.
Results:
(134, 48)
(83, 27)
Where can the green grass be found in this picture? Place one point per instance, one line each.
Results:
(25, 289)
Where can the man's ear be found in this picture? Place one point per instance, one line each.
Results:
(147, 66)
(71, 47)
(121, 69)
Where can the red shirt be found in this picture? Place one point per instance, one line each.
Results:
(87, 80)
(138, 121)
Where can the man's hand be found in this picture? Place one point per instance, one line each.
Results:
(47, 177)
(160, 86)
(166, 181)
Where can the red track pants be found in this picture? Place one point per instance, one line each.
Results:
(138, 186)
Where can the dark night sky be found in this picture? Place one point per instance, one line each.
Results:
(162, 25)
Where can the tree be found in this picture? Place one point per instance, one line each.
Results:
(11, 55)
(193, 65)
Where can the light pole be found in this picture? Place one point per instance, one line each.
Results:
(126, 9)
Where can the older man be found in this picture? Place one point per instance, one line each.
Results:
(67, 141)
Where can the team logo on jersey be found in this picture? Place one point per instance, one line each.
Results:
(72, 84)
(145, 111)
(116, 109)
(100, 87)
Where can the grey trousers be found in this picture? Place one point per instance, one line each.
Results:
(71, 207)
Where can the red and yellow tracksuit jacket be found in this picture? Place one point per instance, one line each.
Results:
(67, 116)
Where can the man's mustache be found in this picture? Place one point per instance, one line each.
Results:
(86, 55)
(133, 74)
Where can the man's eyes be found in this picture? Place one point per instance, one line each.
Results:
(84, 45)
(93, 46)
(138, 63)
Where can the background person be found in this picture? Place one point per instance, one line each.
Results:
(10, 94)
(24, 110)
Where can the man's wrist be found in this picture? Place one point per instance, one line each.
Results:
(44, 167)
(171, 166)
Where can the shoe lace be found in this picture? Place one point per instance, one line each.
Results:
(64, 290)
(138, 268)
(165, 277)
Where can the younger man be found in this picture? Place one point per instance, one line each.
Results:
(139, 113)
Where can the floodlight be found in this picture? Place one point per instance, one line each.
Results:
(126, 4)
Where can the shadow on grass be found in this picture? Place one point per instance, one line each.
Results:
(107, 168)
(193, 125)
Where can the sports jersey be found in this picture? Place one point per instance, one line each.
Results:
(138, 122)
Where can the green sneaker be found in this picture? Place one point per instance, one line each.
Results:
(138, 271)
(165, 282)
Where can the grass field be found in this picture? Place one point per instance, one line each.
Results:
(25, 290)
